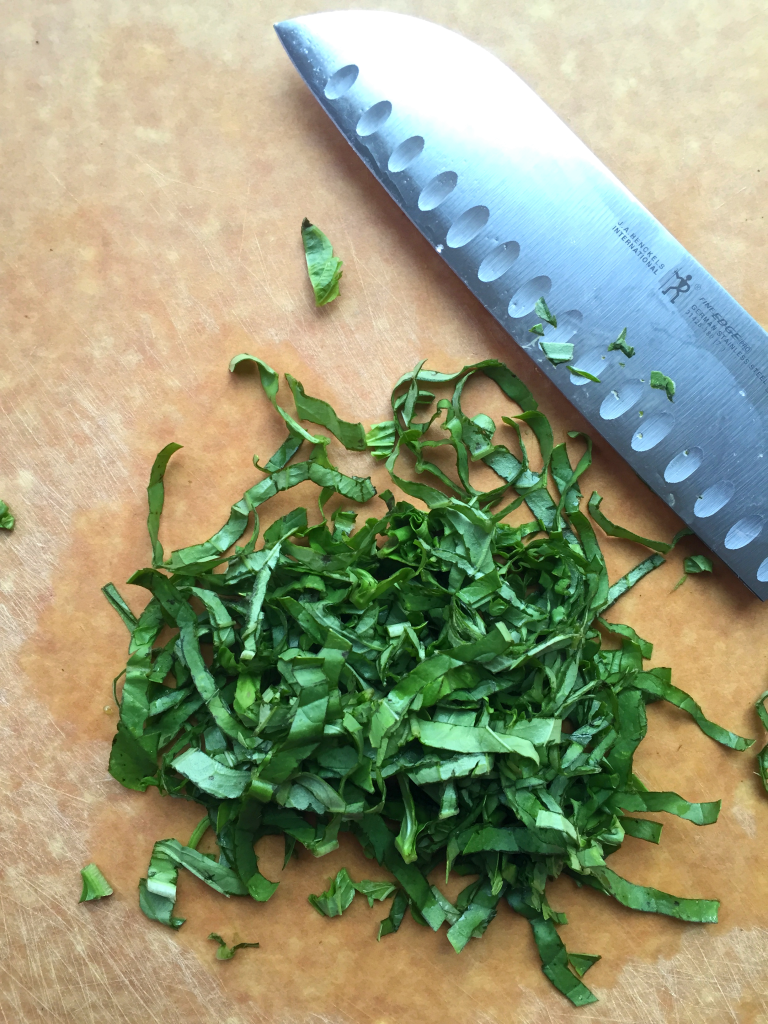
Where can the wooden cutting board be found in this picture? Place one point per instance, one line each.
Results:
(159, 159)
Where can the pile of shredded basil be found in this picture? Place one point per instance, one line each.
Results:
(433, 681)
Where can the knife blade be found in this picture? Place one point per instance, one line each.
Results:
(520, 208)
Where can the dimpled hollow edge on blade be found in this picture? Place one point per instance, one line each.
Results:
(519, 208)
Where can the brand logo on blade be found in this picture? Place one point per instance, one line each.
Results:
(675, 284)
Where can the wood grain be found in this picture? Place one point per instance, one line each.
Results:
(159, 160)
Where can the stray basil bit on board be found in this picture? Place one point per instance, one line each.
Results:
(692, 565)
(95, 885)
(7, 518)
(762, 757)
(225, 952)
(323, 267)
(433, 681)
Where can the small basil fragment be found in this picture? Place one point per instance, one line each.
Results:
(583, 373)
(95, 885)
(225, 952)
(663, 383)
(694, 564)
(323, 267)
(762, 757)
(697, 563)
(542, 310)
(7, 518)
(337, 897)
(621, 345)
(557, 351)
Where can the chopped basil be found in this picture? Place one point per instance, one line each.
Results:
(697, 563)
(337, 897)
(225, 952)
(542, 310)
(584, 373)
(663, 383)
(762, 757)
(432, 681)
(323, 267)
(692, 565)
(95, 885)
(557, 351)
(621, 345)
(340, 893)
(7, 518)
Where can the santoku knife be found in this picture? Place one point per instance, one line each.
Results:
(519, 208)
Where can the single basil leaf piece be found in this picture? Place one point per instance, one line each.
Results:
(542, 310)
(112, 594)
(557, 351)
(621, 586)
(200, 829)
(581, 962)
(394, 919)
(132, 761)
(211, 776)
(640, 828)
(705, 813)
(157, 892)
(663, 383)
(225, 952)
(762, 712)
(583, 373)
(477, 916)
(337, 897)
(555, 961)
(95, 885)
(351, 435)
(658, 683)
(694, 564)
(323, 267)
(621, 345)
(214, 873)
(697, 563)
(156, 498)
(157, 908)
(762, 765)
(374, 890)
(7, 518)
(619, 531)
(653, 901)
(381, 438)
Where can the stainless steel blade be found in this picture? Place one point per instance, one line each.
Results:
(518, 207)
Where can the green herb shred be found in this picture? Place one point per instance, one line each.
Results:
(557, 351)
(7, 518)
(584, 373)
(340, 893)
(543, 311)
(762, 757)
(225, 952)
(620, 345)
(95, 885)
(663, 383)
(323, 267)
(693, 565)
(433, 680)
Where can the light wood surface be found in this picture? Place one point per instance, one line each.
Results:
(158, 160)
